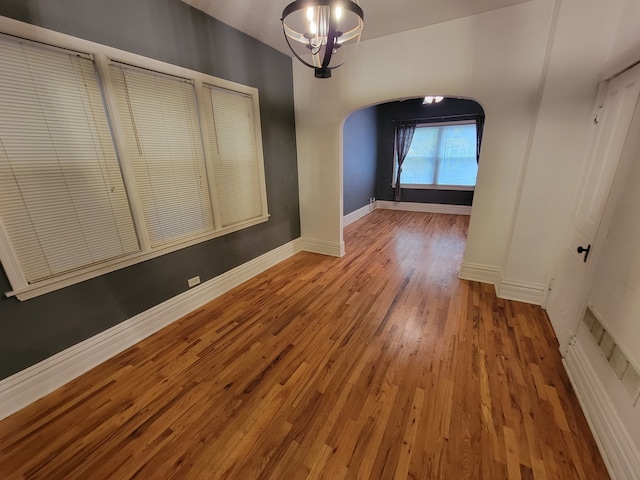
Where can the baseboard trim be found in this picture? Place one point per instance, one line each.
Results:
(33, 383)
(618, 451)
(322, 247)
(526, 292)
(425, 207)
(479, 273)
(506, 288)
(356, 215)
(405, 206)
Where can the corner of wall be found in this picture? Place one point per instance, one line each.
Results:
(506, 288)
(322, 247)
(527, 292)
(480, 273)
(356, 215)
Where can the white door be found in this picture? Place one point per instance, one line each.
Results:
(575, 267)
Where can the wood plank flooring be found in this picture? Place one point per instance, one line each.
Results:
(377, 365)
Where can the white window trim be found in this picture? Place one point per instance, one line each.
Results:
(102, 56)
(432, 186)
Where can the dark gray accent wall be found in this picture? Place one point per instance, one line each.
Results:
(359, 159)
(173, 32)
(410, 110)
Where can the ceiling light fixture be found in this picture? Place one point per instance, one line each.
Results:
(322, 28)
(431, 99)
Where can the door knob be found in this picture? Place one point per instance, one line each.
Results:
(586, 251)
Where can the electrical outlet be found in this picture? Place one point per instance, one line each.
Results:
(194, 281)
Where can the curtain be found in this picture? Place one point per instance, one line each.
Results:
(479, 129)
(404, 135)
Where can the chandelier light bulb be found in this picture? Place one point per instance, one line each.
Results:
(429, 99)
(317, 31)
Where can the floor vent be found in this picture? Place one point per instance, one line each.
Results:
(624, 370)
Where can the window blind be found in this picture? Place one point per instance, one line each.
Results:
(164, 145)
(230, 128)
(62, 198)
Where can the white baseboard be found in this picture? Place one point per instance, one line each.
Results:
(349, 218)
(506, 288)
(27, 386)
(425, 207)
(405, 206)
(618, 450)
(526, 292)
(325, 248)
(480, 273)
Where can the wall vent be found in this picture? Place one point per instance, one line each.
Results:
(621, 366)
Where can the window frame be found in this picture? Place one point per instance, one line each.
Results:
(433, 186)
(102, 56)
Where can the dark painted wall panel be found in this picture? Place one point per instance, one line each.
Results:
(173, 32)
(410, 110)
(359, 159)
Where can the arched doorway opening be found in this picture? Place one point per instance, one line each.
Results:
(440, 169)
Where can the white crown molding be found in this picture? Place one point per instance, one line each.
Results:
(33, 383)
(621, 456)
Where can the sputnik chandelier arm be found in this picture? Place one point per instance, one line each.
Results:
(320, 28)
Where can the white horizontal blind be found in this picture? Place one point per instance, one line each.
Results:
(164, 145)
(62, 198)
(232, 140)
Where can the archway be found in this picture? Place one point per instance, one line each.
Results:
(369, 168)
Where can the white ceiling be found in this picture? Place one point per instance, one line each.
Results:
(261, 18)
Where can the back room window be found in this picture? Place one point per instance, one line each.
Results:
(441, 155)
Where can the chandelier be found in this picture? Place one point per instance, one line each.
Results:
(322, 28)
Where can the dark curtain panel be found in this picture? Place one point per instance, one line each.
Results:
(404, 136)
(479, 129)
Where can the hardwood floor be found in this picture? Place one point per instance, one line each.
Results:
(377, 365)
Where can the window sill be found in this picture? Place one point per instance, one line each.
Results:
(420, 186)
(72, 278)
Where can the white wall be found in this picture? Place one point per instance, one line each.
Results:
(318, 138)
(580, 49)
(495, 58)
(625, 47)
